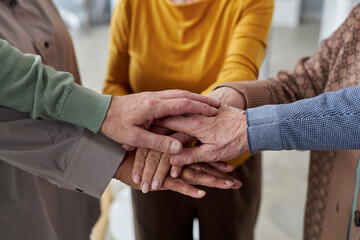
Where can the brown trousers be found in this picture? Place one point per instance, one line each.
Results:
(222, 214)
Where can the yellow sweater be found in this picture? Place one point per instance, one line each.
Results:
(157, 45)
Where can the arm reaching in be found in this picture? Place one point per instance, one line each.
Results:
(30, 87)
(329, 121)
(130, 115)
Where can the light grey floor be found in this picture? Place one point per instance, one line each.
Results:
(284, 173)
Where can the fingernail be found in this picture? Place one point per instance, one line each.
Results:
(229, 166)
(155, 184)
(229, 183)
(174, 174)
(175, 147)
(201, 193)
(136, 178)
(237, 184)
(145, 188)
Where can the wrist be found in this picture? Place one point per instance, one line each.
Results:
(243, 134)
(230, 96)
(107, 118)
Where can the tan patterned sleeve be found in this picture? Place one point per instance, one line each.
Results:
(312, 74)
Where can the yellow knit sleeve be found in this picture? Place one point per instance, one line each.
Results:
(247, 48)
(117, 78)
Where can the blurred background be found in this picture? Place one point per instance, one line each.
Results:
(298, 27)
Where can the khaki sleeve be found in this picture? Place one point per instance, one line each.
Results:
(68, 156)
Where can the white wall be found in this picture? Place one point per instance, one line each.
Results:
(311, 9)
(287, 13)
(334, 14)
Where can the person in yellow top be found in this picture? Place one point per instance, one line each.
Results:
(193, 45)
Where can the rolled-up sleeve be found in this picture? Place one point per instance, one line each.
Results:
(64, 154)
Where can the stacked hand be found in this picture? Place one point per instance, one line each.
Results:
(222, 137)
(197, 174)
(221, 134)
(128, 117)
(151, 168)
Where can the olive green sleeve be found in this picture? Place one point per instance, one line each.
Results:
(27, 86)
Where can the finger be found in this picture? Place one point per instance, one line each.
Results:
(139, 164)
(208, 169)
(180, 106)
(223, 166)
(151, 164)
(162, 172)
(196, 177)
(175, 171)
(170, 94)
(128, 147)
(183, 137)
(202, 153)
(159, 130)
(180, 186)
(183, 124)
(161, 143)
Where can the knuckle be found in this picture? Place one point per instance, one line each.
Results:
(154, 157)
(141, 153)
(211, 155)
(151, 102)
(165, 158)
(196, 175)
(182, 92)
(195, 123)
(191, 158)
(186, 102)
(178, 184)
(161, 142)
(206, 168)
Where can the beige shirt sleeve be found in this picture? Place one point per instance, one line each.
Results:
(64, 154)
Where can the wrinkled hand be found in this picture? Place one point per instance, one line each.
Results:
(129, 116)
(229, 96)
(197, 174)
(223, 137)
(153, 168)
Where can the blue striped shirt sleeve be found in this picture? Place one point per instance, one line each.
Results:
(329, 121)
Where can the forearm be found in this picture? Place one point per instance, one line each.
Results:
(329, 121)
(308, 79)
(117, 78)
(247, 48)
(26, 85)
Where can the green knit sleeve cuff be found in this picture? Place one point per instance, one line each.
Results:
(85, 108)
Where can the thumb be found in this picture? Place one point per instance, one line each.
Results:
(161, 143)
